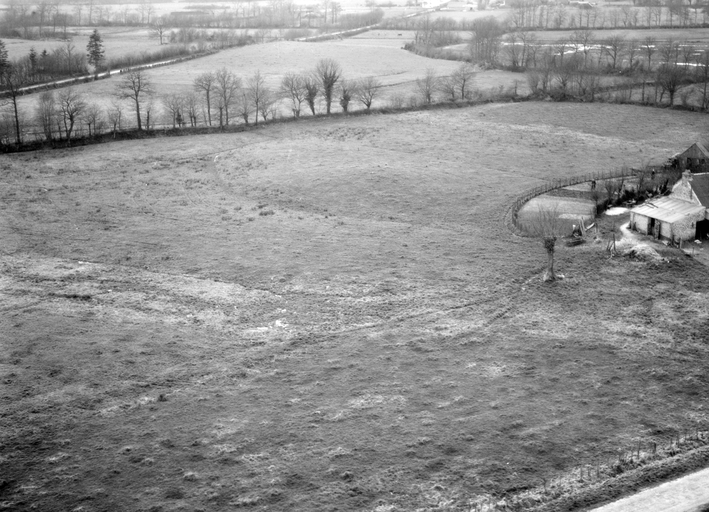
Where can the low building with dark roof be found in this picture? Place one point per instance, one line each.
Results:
(695, 158)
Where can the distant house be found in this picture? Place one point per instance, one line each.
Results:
(695, 158)
(684, 215)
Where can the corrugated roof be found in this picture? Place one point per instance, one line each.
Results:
(667, 209)
(700, 185)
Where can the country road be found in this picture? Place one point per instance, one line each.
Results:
(687, 494)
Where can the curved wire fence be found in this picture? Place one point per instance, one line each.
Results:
(512, 218)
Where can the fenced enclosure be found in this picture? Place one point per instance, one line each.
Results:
(512, 218)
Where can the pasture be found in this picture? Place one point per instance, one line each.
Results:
(695, 36)
(117, 42)
(331, 314)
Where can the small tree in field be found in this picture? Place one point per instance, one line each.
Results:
(159, 29)
(548, 227)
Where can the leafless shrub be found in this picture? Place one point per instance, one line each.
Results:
(547, 226)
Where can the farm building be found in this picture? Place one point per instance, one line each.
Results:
(695, 158)
(684, 215)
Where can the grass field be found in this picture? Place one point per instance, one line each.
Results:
(117, 41)
(696, 36)
(331, 315)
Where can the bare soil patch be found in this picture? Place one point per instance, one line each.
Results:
(330, 314)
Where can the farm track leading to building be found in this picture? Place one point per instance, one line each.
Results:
(331, 313)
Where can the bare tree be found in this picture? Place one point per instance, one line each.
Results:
(447, 86)
(485, 40)
(115, 116)
(293, 88)
(669, 77)
(513, 49)
(367, 89)
(548, 226)
(205, 83)
(614, 47)
(310, 83)
(428, 85)
(93, 117)
(134, 87)
(149, 109)
(256, 91)
(669, 51)
(46, 113)
(328, 73)
(159, 29)
(583, 40)
(245, 106)
(268, 104)
(192, 108)
(174, 104)
(649, 46)
(346, 90)
(632, 50)
(14, 78)
(463, 79)
(71, 105)
(702, 75)
(227, 86)
(560, 47)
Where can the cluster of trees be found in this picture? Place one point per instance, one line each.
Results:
(223, 95)
(51, 18)
(657, 70)
(670, 13)
(220, 98)
(66, 61)
(35, 67)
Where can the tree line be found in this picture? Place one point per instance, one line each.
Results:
(576, 65)
(219, 99)
(537, 15)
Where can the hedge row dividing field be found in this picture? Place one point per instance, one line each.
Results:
(332, 315)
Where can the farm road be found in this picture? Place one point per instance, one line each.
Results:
(686, 494)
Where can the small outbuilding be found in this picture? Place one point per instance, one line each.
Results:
(680, 217)
(695, 158)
